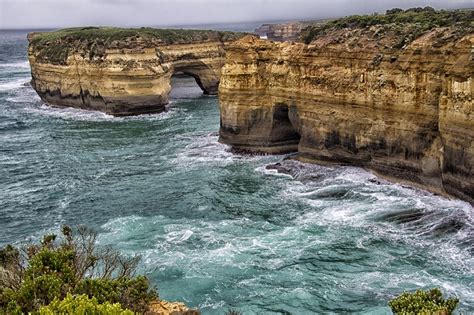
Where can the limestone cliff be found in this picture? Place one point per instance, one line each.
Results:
(364, 96)
(122, 71)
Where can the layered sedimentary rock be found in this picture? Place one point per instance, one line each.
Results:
(122, 71)
(361, 96)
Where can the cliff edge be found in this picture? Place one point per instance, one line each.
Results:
(392, 93)
(122, 71)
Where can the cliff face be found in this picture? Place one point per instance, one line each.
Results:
(280, 32)
(121, 71)
(351, 97)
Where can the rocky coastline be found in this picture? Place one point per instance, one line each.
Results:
(359, 95)
(355, 91)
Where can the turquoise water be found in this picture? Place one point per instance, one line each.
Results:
(218, 230)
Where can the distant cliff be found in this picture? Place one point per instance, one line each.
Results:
(122, 71)
(392, 93)
(280, 31)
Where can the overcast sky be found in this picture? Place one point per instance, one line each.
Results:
(62, 13)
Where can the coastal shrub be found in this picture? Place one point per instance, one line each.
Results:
(72, 263)
(132, 293)
(82, 304)
(414, 21)
(423, 302)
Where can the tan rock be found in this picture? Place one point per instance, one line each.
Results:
(170, 308)
(121, 77)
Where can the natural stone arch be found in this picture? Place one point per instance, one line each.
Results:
(207, 77)
(127, 76)
(206, 74)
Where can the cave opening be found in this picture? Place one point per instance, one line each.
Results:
(185, 86)
(285, 127)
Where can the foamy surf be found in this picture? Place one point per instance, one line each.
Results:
(15, 84)
(218, 229)
(15, 65)
(206, 149)
(76, 114)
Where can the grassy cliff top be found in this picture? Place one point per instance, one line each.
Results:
(55, 46)
(110, 34)
(412, 22)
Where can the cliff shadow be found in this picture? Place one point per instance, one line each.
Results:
(285, 131)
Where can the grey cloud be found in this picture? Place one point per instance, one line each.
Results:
(62, 13)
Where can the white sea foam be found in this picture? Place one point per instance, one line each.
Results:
(70, 113)
(13, 84)
(380, 198)
(24, 98)
(355, 175)
(179, 236)
(16, 65)
(23, 95)
(263, 169)
(204, 149)
(201, 248)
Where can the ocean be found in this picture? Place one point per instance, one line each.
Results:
(215, 229)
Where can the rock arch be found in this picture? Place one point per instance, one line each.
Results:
(206, 77)
(85, 68)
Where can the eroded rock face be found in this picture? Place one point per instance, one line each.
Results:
(124, 76)
(348, 97)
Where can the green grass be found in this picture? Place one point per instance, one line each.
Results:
(54, 46)
(168, 36)
(416, 21)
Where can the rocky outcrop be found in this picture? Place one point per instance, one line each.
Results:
(163, 307)
(358, 96)
(122, 71)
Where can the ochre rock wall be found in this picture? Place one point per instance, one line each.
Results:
(131, 78)
(405, 113)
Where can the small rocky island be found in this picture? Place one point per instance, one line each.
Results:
(122, 71)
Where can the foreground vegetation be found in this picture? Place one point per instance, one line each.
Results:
(70, 272)
(419, 20)
(423, 302)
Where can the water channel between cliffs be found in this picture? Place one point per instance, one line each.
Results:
(218, 230)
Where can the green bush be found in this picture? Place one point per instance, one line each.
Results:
(82, 304)
(415, 20)
(423, 302)
(132, 293)
(39, 274)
